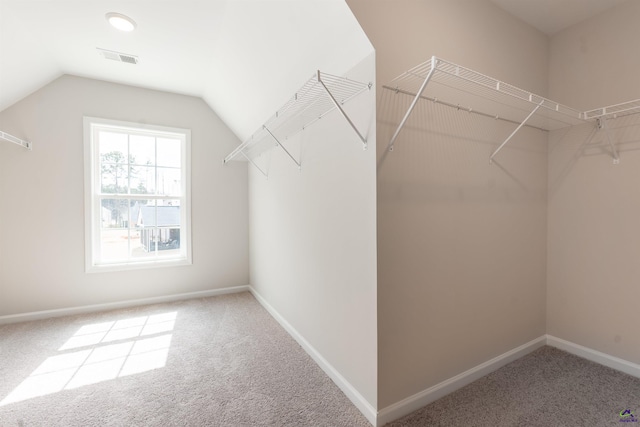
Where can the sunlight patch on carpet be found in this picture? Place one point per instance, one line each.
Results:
(116, 349)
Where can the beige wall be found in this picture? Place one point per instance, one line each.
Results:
(593, 235)
(313, 244)
(592, 64)
(461, 243)
(41, 199)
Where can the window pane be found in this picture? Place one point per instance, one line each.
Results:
(113, 162)
(143, 150)
(113, 145)
(114, 233)
(158, 226)
(143, 180)
(114, 244)
(168, 212)
(145, 229)
(169, 182)
(169, 152)
(114, 178)
(114, 213)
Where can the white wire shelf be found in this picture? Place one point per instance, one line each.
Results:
(473, 90)
(320, 95)
(10, 138)
(453, 85)
(459, 87)
(614, 111)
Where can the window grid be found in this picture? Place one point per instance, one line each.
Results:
(175, 248)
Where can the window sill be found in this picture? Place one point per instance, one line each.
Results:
(128, 266)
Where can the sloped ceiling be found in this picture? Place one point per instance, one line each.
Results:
(245, 58)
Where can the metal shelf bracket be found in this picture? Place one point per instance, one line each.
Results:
(602, 125)
(282, 146)
(10, 138)
(434, 63)
(524, 122)
(342, 112)
(254, 164)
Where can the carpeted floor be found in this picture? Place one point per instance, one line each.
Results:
(224, 361)
(221, 361)
(546, 388)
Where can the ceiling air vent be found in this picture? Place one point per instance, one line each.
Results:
(118, 56)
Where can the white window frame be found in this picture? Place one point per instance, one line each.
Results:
(93, 195)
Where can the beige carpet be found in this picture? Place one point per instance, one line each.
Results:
(219, 361)
(224, 361)
(547, 388)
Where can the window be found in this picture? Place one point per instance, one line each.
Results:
(137, 195)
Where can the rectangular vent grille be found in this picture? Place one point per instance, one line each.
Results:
(118, 56)
(129, 59)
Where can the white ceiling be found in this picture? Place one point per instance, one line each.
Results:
(551, 16)
(244, 58)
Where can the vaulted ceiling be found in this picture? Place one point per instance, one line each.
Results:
(244, 58)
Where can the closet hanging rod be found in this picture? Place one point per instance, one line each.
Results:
(10, 138)
(462, 108)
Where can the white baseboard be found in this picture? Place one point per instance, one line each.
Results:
(418, 400)
(356, 398)
(613, 362)
(37, 315)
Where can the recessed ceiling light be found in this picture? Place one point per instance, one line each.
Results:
(120, 22)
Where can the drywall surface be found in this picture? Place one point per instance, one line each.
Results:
(591, 65)
(594, 205)
(461, 243)
(312, 232)
(42, 200)
(271, 48)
